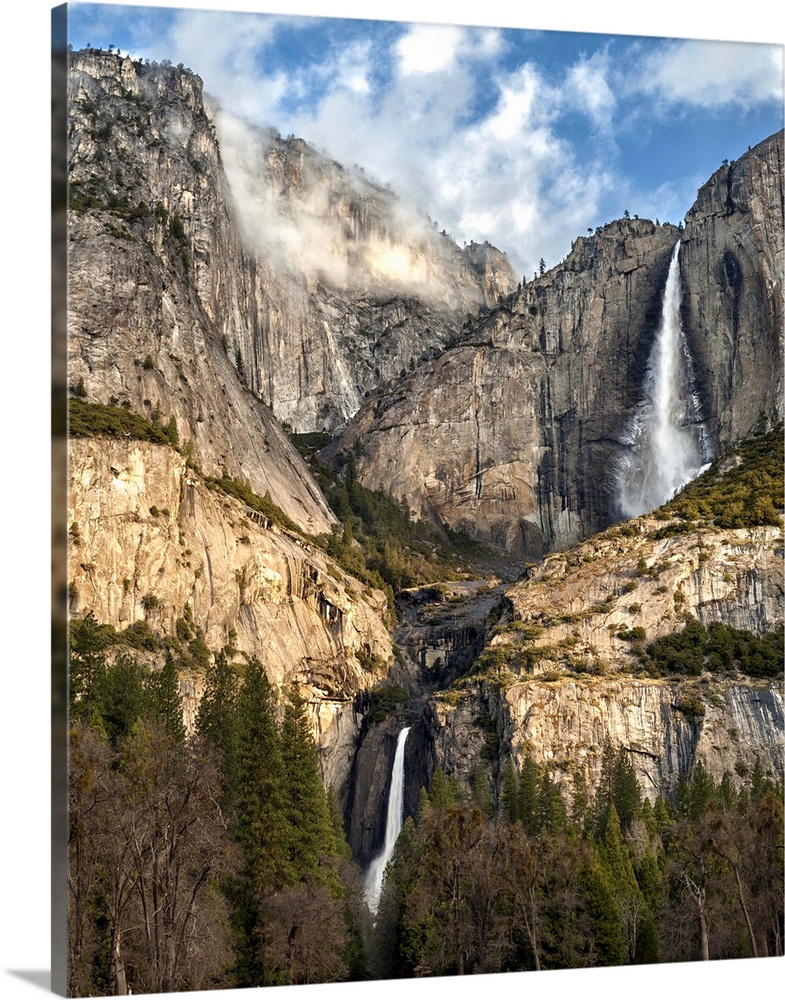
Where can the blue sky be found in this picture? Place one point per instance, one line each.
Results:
(522, 137)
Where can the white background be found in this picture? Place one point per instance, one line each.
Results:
(24, 487)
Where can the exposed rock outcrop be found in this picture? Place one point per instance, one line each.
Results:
(564, 724)
(292, 283)
(561, 675)
(511, 436)
(732, 264)
(151, 542)
(582, 602)
(156, 275)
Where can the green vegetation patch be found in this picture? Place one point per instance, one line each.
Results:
(380, 543)
(386, 699)
(100, 420)
(742, 490)
(717, 649)
(242, 491)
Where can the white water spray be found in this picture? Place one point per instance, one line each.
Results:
(666, 438)
(375, 875)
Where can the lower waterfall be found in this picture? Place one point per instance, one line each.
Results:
(375, 874)
(666, 437)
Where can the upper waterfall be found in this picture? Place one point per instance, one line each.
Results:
(666, 437)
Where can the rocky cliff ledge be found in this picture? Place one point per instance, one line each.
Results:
(151, 542)
(243, 264)
(563, 671)
(564, 724)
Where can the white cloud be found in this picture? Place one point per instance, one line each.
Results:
(513, 112)
(712, 74)
(486, 150)
(511, 179)
(428, 48)
(353, 68)
(507, 177)
(588, 90)
(225, 49)
(226, 45)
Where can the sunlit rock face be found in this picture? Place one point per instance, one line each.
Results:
(564, 725)
(566, 678)
(158, 276)
(155, 544)
(517, 434)
(351, 285)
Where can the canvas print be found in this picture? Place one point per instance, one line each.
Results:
(424, 408)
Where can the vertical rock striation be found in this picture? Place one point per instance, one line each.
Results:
(157, 304)
(732, 265)
(565, 723)
(511, 436)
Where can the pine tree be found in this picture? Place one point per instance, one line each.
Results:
(216, 720)
(626, 790)
(604, 795)
(423, 804)
(551, 810)
(336, 820)
(164, 705)
(259, 792)
(694, 792)
(443, 791)
(121, 697)
(311, 838)
(616, 861)
(259, 825)
(87, 641)
(618, 786)
(510, 793)
(482, 795)
(580, 801)
(604, 917)
(528, 794)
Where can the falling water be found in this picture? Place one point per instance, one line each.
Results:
(375, 875)
(666, 437)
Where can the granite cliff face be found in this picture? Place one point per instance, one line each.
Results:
(506, 436)
(561, 673)
(290, 282)
(555, 672)
(565, 723)
(155, 275)
(732, 262)
(187, 306)
(153, 543)
(515, 435)
(350, 285)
